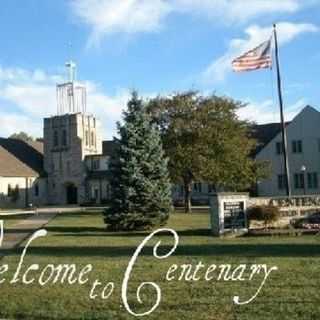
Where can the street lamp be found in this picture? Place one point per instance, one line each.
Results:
(303, 170)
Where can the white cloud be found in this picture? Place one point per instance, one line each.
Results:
(220, 67)
(268, 111)
(106, 17)
(236, 10)
(124, 16)
(33, 94)
(11, 122)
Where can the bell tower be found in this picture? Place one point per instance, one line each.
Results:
(69, 136)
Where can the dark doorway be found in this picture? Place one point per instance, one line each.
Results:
(72, 194)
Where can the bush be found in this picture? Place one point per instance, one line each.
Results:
(267, 214)
(310, 222)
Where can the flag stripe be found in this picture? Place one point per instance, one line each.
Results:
(240, 63)
(251, 64)
(251, 60)
(262, 66)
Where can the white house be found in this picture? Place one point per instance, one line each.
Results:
(22, 179)
(303, 135)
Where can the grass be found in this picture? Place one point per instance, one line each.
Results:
(11, 220)
(80, 238)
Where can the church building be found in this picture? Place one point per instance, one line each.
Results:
(69, 166)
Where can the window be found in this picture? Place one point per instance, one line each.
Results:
(211, 188)
(279, 148)
(87, 138)
(9, 190)
(296, 146)
(92, 138)
(96, 164)
(107, 163)
(313, 180)
(64, 137)
(299, 180)
(197, 187)
(36, 190)
(282, 181)
(55, 138)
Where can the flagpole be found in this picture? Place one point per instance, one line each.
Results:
(283, 125)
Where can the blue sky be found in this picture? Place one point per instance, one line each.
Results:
(154, 46)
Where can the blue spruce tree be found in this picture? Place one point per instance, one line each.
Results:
(141, 189)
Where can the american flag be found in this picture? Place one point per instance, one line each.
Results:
(257, 58)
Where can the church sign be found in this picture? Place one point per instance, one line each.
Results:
(234, 215)
(228, 213)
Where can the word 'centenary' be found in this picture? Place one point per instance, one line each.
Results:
(69, 273)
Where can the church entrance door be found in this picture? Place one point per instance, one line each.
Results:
(72, 194)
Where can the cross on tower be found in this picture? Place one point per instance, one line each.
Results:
(71, 66)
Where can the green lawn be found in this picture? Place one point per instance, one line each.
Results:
(11, 220)
(290, 293)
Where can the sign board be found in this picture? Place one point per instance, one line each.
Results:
(234, 215)
(228, 213)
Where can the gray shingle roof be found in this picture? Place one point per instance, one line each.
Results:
(264, 133)
(19, 158)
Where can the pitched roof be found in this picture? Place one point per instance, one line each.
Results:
(10, 166)
(21, 158)
(264, 133)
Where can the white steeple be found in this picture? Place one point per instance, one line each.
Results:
(71, 95)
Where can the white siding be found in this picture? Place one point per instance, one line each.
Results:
(305, 127)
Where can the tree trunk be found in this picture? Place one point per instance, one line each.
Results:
(187, 196)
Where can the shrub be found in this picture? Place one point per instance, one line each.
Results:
(309, 222)
(267, 214)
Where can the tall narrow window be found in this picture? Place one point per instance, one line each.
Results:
(279, 148)
(299, 180)
(96, 164)
(87, 137)
(197, 187)
(36, 190)
(55, 138)
(313, 182)
(64, 137)
(9, 190)
(297, 146)
(211, 188)
(282, 182)
(92, 138)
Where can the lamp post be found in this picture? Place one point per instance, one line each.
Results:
(303, 170)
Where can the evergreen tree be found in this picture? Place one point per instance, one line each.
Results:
(141, 189)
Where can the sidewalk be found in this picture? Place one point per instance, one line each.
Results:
(16, 234)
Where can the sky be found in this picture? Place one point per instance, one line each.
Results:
(155, 47)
